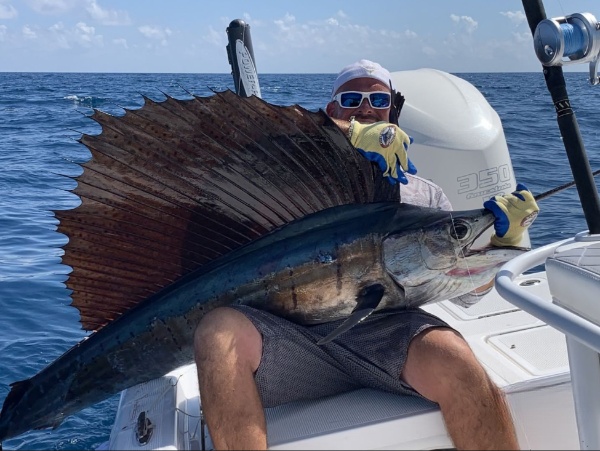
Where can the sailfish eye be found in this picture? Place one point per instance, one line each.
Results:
(459, 230)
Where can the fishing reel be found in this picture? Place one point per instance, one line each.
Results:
(572, 39)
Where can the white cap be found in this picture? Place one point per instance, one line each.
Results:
(361, 69)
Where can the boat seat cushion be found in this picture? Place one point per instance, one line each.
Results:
(302, 419)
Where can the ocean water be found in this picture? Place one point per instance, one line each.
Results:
(41, 117)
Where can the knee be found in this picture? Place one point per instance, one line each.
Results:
(442, 347)
(439, 362)
(226, 333)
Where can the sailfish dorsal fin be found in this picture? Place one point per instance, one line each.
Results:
(176, 184)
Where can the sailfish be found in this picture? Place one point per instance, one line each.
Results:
(188, 205)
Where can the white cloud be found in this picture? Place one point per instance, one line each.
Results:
(336, 40)
(7, 11)
(392, 34)
(250, 20)
(28, 33)
(338, 37)
(286, 23)
(466, 23)
(121, 42)
(327, 35)
(283, 42)
(215, 38)
(523, 37)
(106, 16)
(85, 35)
(81, 35)
(51, 7)
(429, 51)
(516, 17)
(59, 36)
(156, 33)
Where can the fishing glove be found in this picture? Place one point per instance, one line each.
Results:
(385, 144)
(514, 214)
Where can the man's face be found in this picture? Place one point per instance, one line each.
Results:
(364, 113)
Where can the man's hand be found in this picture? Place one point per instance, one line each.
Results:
(385, 144)
(514, 214)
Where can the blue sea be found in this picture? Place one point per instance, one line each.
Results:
(42, 115)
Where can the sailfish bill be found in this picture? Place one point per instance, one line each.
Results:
(188, 205)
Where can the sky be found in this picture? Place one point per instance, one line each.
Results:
(304, 36)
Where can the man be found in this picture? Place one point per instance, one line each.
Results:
(249, 359)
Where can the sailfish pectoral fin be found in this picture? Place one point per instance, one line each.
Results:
(366, 302)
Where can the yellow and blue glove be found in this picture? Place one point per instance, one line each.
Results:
(514, 214)
(385, 144)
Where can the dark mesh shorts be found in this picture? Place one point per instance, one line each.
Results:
(371, 354)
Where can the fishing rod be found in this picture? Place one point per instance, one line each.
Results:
(558, 42)
(559, 188)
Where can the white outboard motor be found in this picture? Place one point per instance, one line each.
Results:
(459, 141)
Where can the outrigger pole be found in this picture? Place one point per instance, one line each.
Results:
(569, 129)
(241, 59)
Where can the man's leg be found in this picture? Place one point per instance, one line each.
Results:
(228, 350)
(441, 366)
